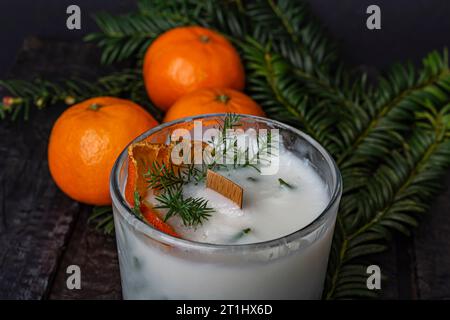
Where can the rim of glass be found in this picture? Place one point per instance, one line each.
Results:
(140, 226)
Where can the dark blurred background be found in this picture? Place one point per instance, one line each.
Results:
(410, 28)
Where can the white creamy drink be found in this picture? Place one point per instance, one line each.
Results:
(275, 247)
(270, 210)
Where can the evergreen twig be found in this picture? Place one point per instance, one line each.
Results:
(192, 211)
(398, 191)
(41, 93)
(103, 219)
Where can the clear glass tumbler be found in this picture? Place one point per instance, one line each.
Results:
(155, 265)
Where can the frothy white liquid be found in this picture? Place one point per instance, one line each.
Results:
(270, 209)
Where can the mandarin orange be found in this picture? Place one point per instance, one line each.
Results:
(188, 58)
(204, 101)
(86, 140)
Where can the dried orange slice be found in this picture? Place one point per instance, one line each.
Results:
(141, 156)
(153, 219)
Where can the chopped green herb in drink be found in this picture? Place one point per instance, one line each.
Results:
(285, 184)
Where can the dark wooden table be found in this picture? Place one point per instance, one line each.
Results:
(42, 231)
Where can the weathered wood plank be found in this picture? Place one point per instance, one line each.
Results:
(432, 249)
(36, 218)
(96, 255)
(389, 269)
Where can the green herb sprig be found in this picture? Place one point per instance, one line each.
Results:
(192, 211)
(103, 219)
(162, 176)
(39, 93)
(285, 184)
(241, 234)
(170, 181)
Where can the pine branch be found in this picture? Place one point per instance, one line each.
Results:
(225, 16)
(293, 33)
(395, 96)
(122, 37)
(21, 95)
(103, 219)
(297, 37)
(388, 130)
(271, 83)
(355, 208)
(192, 211)
(398, 191)
(161, 177)
(290, 31)
(392, 118)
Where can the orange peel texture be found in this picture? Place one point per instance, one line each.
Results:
(141, 156)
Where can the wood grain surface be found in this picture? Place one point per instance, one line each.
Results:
(42, 231)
